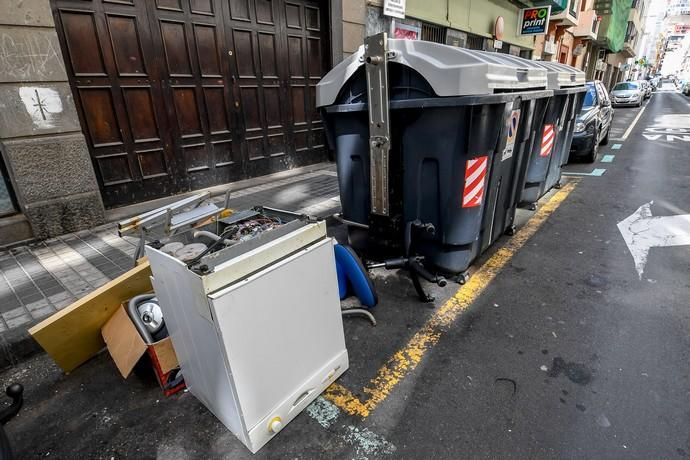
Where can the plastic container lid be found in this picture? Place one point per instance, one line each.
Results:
(450, 71)
(562, 76)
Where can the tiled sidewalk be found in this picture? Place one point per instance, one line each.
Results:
(38, 279)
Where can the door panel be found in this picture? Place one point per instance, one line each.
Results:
(139, 103)
(124, 36)
(187, 108)
(196, 80)
(100, 115)
(176, 95)
(307, 64)
(259, 81)
(82, 40)
(111, 65)
(176, 50)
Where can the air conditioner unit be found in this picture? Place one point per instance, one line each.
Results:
(600, 65)
(549, 47)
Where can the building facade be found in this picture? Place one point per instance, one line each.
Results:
(617, 40)
(573, 26)
(108, 103)
(675, 28)
(462, 23)
(49, 185)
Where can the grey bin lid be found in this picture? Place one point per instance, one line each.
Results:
(562, 76)
(559, 76)
(450, 71)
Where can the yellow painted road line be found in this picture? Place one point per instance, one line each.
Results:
(405, 360)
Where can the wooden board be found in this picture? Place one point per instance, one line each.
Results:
(73, 335)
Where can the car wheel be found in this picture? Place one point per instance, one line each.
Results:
(594, 153)
(605, 140)
(639, 104)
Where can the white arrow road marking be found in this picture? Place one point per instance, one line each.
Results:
(642, 231)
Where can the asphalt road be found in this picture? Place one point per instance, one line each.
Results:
(566, 353)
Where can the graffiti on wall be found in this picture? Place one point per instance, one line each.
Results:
(42, 105)
(26, 56)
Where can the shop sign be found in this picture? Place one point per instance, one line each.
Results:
(406, 31)
(534, 21)
(395, 8)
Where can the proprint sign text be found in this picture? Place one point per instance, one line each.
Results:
(534, 21)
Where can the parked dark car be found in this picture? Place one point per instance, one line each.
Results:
(593, 123)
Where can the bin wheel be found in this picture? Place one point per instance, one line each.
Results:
(510, 231)
(462, 278)
(533, 206)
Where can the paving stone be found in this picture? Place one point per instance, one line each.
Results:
(16, 317)
(43, 312)
(31, 298)
(37, 305)
(18, 321)
(61, 296)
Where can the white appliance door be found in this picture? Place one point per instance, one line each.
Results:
(279, 327)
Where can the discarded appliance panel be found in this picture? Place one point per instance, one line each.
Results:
(256, 325)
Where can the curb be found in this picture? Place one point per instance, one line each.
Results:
(17, 345)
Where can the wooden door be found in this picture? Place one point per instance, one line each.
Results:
(190, 38)
(307, 62)
(176, 95)
(117, 91)
(279, 54)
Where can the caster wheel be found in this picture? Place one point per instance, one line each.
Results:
(462, 278)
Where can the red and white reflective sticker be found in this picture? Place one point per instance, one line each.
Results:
(475, 175)
(547, 140)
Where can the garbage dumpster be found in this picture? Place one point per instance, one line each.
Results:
(550, 153)
(431, 166)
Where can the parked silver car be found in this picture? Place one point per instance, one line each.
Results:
(628, 93)
(646, 88)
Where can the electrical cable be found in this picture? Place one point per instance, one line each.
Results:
(359, 312)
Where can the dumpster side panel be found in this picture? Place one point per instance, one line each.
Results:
(576, 100)
(437, 147)
(351, 143)
(499, 213)
(539, 164)
(571, 109)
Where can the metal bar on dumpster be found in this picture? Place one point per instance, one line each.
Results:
(376, 58)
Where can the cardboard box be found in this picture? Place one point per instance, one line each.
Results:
(126, 347)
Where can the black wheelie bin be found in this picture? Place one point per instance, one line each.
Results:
(551, 152)
(459, 126)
